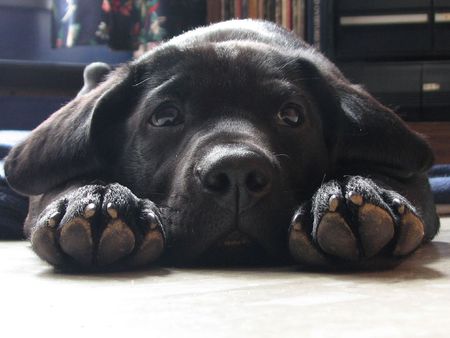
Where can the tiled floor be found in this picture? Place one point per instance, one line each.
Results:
(412, 300)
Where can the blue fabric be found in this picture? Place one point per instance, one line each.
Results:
(440, 183)
(440, 170)
(441, 189)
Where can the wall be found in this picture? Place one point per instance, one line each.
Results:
(25, 37)
(25, 34)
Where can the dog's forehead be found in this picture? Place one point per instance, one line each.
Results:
(240, 60)
(228, 70)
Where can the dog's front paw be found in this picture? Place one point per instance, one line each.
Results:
(354, 222)
(98, 226)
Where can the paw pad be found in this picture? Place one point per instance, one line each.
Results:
(81, 230)
(336, 238)
(354, 222)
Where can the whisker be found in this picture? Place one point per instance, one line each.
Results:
(141, 82)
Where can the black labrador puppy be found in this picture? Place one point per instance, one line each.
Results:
(231, 143)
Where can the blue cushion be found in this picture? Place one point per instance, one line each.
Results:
(441, 189)
(440, 183)
(440, 170)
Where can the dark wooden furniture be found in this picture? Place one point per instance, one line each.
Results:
(438, 135)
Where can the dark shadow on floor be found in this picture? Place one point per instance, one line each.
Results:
(149, 272)
(414, 267)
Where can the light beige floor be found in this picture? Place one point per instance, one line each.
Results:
(412, 300)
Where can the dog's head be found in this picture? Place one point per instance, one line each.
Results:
(228, 129)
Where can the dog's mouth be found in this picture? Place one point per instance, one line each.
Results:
(234, 249)
(235, 239)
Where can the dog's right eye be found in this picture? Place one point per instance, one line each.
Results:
(166, 116)
(291, 115)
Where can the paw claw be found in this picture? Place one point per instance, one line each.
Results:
(54, 219)
(112, 211)
(152, 220)
(333, 203)
(355, 198)
(90, 210)
(399, 206)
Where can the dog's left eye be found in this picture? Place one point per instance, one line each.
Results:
(291, 115)
(166, 116)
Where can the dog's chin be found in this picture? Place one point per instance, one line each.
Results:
(235, 249)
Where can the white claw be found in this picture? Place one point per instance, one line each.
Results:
(54, 218)
(399, 205)
(333, 203)
(89, 211)
(356, 198)
(152, 218)
(111, 210)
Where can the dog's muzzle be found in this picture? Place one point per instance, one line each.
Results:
(235, 176)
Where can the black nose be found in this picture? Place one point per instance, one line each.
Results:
(236, 177)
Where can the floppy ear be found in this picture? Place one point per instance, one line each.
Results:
(64, 146)
(361, 133)
(375, 138)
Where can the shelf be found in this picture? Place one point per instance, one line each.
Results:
(24, 78)
(438, 135)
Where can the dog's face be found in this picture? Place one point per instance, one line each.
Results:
(224, 138)
(228, 130)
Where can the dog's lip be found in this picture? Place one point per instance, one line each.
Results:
(235, 238)
(234, 248)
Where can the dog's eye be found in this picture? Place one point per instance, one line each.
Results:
(291, 115)
(167, 115)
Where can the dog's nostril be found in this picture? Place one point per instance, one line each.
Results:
(217, 182)
(256, 181)
(234, 176)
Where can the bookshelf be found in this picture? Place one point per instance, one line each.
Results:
(290, 14)
(315, 21)
(312, 20)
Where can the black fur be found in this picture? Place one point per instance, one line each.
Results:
(229, 81)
